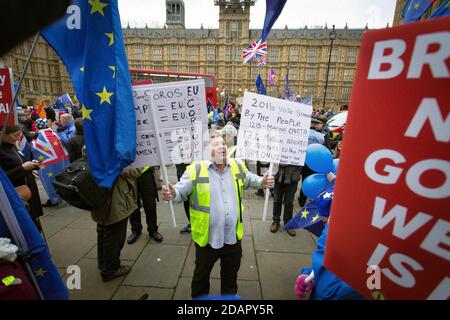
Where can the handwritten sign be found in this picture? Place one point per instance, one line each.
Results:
(181, 118)
(273, 130)
(6, 96)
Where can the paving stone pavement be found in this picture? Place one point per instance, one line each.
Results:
(269, 266)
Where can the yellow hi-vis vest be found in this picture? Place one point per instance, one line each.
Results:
(201, 196)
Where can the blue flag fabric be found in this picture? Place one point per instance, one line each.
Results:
(327, 286)
(287, 88)
(309, 217)
(416, 10)
(273, 11)
(308, 100)
(47, 276)
(443, 10)
(89, 41)
(260, 88)
(209, 106)
(16, 85)
(216, 116)
(405, 8)
(62, 101)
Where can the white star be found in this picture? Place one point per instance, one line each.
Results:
(328, 195)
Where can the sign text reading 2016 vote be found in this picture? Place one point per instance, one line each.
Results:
(273, 130)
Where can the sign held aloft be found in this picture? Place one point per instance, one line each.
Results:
(399, 225)
(273, 130)
(181, 121)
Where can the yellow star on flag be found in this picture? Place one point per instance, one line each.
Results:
(305, 213)
(417, 6)
(40, 272)
(42, 167)
(86, 113)
(82, 69)
(41, 157)
(105, 95)
(50, 174)
(111, 38)
(55, 143)
(97, 6)
(113, 68)
(315, 218)
(45, 149)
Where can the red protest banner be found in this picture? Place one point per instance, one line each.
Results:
(392, 194)
(6, 96)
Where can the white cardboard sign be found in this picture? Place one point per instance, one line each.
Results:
(182, 121)
(273, 130)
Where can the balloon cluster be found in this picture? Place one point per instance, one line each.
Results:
(319, 159)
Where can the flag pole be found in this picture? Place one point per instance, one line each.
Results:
(163, 164)
(16, 94)
(266, 199)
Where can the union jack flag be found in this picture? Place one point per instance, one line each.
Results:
(261, 62)
(49, 150)
(255, 50)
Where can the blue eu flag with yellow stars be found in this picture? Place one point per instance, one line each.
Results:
(310, 216)
(416, 9)
(89, 41)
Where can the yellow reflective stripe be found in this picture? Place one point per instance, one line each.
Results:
(8, 280)
(145, 169)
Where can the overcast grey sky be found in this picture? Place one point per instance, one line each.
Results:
(296, 13)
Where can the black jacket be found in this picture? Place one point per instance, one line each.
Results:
(74, 146)
(11, 162)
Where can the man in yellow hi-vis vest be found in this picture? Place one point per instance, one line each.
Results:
(215, 188)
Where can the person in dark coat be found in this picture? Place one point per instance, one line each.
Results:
(19, 171)
(76, 143)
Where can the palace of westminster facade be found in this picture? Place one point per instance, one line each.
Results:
(303, 53)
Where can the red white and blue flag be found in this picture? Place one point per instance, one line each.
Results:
(261, 62)
(254, 51)
(49, 150)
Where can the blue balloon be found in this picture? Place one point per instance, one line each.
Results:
(314, 185)
(335, 165)
(319, 158)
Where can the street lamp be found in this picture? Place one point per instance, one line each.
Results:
(332, 38)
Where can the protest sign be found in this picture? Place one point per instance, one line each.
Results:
(181, 120)
(392, 197)
(6, 97)
(273, 130)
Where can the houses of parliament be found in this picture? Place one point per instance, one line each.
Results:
(302, 53)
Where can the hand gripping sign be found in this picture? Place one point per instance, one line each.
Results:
(392, 195)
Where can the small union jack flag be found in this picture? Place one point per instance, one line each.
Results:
(256, 50)
(261, 62)
(49, 150)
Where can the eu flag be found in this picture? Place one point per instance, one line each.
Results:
(273, 11)
(62, 101)
(89, 41)
(260, 88)
(417, 9)
(443, 10)
(15, 222)
(309, 217)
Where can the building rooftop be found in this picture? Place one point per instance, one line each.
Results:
(254, 33)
